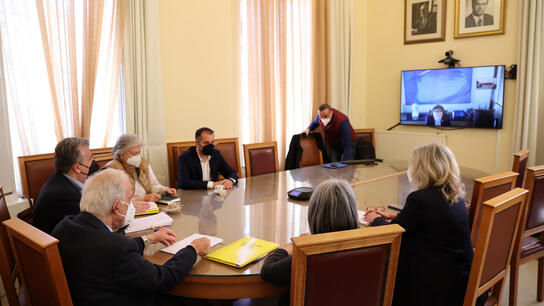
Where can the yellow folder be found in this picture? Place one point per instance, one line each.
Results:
(242, 252)
(153, 209)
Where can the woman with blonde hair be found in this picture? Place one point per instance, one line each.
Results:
(436, 252)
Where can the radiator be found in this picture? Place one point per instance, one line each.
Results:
(399, 145)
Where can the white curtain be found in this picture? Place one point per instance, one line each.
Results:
(142, 79)
(340, 53)
(528, 124)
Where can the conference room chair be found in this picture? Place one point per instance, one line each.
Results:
(366, 134)
(228, 147)
(486, 188)
(38, 264)
(7, 261)
(529, 247)
(311, 155)
(353, 267)
(519, 166)
(496, 236)
(261, 158)
(36, 169)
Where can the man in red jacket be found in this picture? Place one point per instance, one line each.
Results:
(339, 133)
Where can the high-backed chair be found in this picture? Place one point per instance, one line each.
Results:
(261, 158)
(228, 146)
(311, 155)
(353, 267)
(366, 134)
(486, 188)
(7, 261)
(528, 247)
(519, 166)
(501, 217)
(38, 264)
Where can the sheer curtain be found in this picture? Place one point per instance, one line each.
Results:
(528, 125)
(340, 54)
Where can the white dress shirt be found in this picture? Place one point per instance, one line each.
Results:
(205, 165)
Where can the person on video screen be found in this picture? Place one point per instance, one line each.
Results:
(438, 117)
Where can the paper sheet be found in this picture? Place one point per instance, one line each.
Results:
(361, 215)
(143, 223)
(174, 248)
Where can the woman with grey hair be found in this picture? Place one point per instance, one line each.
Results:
(126, 157)
(332, 208)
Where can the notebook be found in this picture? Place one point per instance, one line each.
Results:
(174, 248)
(144, 223)
(334, 165)
(153, 209)
(242, 252)
(168, 199)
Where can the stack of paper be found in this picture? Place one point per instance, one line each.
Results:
(174, 248)
(141, 224)
(361, 215)
(152, 209)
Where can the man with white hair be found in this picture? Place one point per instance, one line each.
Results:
(103, 267)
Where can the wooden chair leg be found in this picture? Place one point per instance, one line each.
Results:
(540, 282)
(514, 278)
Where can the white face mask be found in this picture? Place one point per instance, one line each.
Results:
(134, 161)
(325, 120)
(129, 215)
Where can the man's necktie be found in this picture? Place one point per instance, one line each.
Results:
(480, 22)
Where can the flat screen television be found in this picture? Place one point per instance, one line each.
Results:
(453, 97)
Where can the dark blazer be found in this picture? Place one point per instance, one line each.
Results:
(292, 161)
(469, 21)
(105, 268)
(190, 171)
(58, 198)
(446, 121)
(276, 270)
(436, 252)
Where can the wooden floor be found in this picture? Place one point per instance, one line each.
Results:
(526, 296)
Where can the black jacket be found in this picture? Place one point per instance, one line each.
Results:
(292, 161)
(190, 171)
(436, 252)
(105, 268)
(58, 198)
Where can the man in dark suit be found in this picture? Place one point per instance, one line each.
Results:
(478, 17)
(199, 167)
(60, 195)
(104, 267)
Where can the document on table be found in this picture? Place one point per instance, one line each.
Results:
(361, 215)
(143, 223)
(174, 248)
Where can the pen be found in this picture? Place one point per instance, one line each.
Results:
(156, 228)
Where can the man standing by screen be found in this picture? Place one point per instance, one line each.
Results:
(339, 133)
(478, 17)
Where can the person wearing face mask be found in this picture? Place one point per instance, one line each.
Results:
(126, 157)
(103, 267)
(61, 193)
(339, 133)
(200, 165)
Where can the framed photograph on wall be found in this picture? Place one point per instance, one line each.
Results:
(479, 17)
(424, 21)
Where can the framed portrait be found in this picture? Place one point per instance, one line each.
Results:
(479, 17)
(424, 21)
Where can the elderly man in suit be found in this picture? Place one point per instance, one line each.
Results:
(104, 267)
(478, 17)
(199, 167)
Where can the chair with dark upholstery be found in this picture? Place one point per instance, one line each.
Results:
(366, 134)
(497, 234)
(38, 263)
(519, 166)
(353, 267)
(529, 247)
(7, 261)
(261, 158)
(486, 188)
(311, 155)
(175, 149)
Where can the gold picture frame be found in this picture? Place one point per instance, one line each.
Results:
(424, 21)
(489, 21)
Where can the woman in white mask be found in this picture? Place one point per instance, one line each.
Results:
(126, 157)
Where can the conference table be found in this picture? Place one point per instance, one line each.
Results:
(259, 207)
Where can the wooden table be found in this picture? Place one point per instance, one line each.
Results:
(259, 207)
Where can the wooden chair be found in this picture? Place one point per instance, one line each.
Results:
(228, 146)
(7, 261)
(366, 134)
(501, 217)
(486, 188)
(261, 158)
(38, 264)
(311, 155)
(528, 247)
(519, 166)
(353, 267)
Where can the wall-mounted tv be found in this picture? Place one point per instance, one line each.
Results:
(453, 97)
